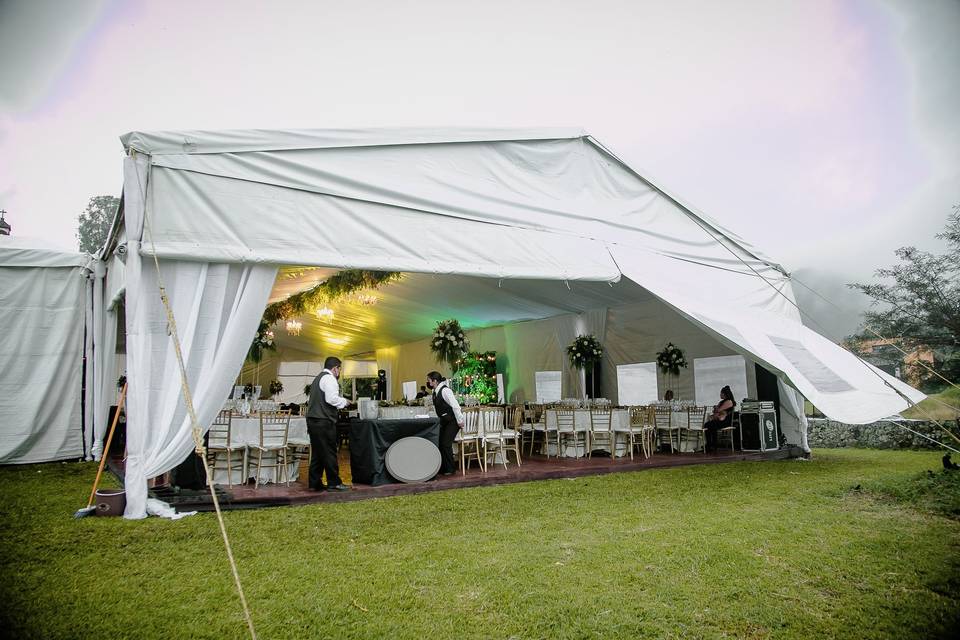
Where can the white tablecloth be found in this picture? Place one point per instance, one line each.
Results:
(247, 430)
(689, 441)
(619, 419)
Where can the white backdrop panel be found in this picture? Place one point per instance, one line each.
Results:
(712, 374)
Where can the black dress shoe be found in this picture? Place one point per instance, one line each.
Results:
(340, 487)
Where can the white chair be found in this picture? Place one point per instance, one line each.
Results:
(491, 435)
(513, 421)
(468, 439)
(601, 429)
(223, 454)
(274, 429)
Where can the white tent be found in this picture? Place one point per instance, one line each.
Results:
(43, 311)
(214, 214)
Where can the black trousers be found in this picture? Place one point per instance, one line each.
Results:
(448, 432)
(323, 453)
(711, 428)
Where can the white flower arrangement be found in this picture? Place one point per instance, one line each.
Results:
(585, 351)
(671, 360)
(448, 343)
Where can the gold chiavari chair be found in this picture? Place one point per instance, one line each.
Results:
(274, 429)
(601, 429)
(223, 454)
(634, 430)
(663, 422)
(567, 430)
(728, 431)
(694, 428)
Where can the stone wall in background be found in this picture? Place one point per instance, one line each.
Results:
(877, 435)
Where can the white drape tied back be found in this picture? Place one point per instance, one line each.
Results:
(217, 309)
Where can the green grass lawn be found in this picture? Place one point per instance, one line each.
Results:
(772, 549)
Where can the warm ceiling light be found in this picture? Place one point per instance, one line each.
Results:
(367, 299)
(294, 327)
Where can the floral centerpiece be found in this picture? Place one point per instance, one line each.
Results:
(585, 351)
(448, 343)
(671, 360)
(275, 387)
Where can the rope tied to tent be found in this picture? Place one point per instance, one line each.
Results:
(196, 431)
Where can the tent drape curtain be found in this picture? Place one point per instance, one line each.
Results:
(217, 308)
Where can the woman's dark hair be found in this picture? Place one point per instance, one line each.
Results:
(726, 394)
(435, 376)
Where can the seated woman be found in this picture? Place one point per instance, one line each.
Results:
(721, 417)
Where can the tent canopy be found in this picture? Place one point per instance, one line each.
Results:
(42, 311)
(220, 211)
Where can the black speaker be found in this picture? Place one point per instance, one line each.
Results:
(749, 431)
(758, 427)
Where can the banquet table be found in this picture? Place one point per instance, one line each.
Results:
(619, 419)
(245, 431)
(401, 413)
(690, 442)
(370, 439)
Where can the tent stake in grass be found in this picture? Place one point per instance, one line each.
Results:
(89, 509)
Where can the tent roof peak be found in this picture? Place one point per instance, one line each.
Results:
(249, 140)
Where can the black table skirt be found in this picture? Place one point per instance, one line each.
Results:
(370, 439)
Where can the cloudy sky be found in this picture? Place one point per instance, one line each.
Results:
(827, 133)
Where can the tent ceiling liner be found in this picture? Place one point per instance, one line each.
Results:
(530, 208)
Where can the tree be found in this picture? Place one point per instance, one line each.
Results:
(94, 223)
(919, 302)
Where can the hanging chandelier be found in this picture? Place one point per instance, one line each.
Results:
(294, 327)
(366, 299)
(325, 313)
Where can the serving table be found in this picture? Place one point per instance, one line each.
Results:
(370, 439)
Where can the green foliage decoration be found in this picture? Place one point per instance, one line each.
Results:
(477, 375)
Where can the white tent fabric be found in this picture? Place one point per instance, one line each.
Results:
(42, 311)
(837, 382)
(535, 204)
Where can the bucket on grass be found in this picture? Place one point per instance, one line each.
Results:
(111, 502)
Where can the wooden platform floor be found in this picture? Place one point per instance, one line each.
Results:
(532, 469)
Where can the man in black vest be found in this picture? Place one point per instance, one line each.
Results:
(451, 419)
(323, 409)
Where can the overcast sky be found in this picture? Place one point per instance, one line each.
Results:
(827, 133)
